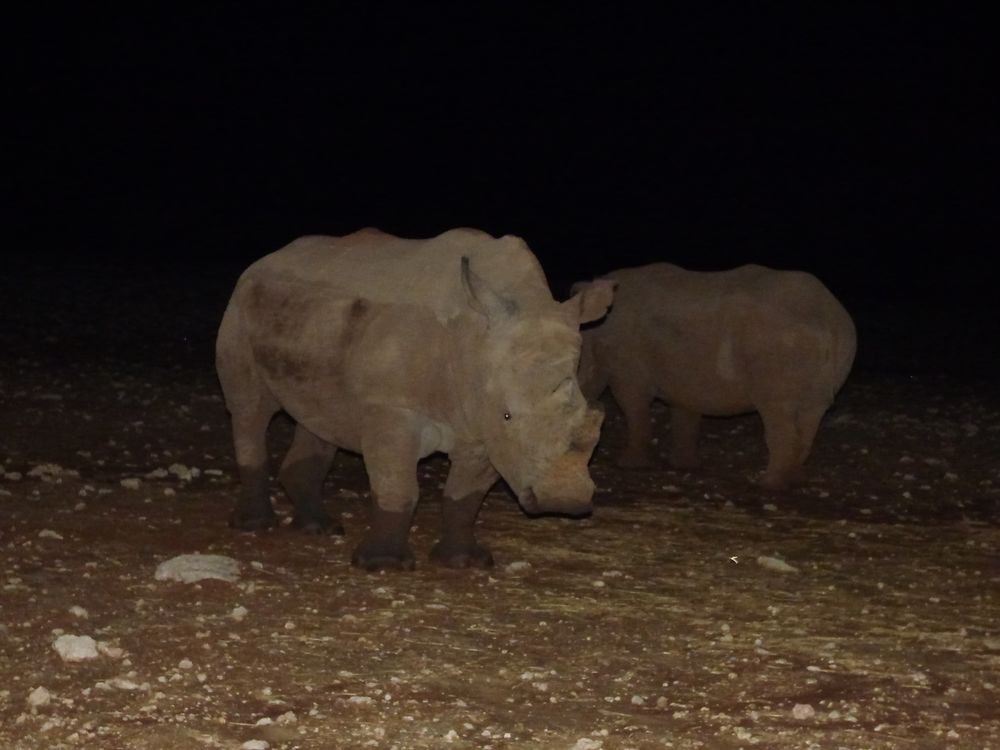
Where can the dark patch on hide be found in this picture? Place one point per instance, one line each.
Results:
(280, 363)
(354, 324)
(279, 314)
(285, 323)
(282, 313)
(358, 308)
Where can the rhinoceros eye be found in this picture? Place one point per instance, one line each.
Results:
(506, 416)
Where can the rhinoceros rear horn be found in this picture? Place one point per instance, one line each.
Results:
(482, 297)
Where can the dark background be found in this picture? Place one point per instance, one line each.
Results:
(857, 141)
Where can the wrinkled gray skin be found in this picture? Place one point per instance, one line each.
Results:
(720, 344)
(397, 349)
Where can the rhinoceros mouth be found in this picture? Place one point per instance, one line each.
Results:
(533, 506)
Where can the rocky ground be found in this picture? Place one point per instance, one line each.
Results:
(692, 610)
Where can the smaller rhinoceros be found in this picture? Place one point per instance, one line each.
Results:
(396, 349)
(720, 344)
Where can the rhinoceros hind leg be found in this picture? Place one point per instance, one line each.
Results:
(784, 438)
(302, 473)
(385, 545)
(684, 427)
(458, 547)
(253, 509)
(807, 421)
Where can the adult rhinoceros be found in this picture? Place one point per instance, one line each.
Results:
(721, 343)
(398, 348)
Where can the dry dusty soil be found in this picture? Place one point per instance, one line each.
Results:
(662, 621)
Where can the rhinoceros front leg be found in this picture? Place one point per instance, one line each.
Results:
(634, 401)
(684, 428)
(302, 473)
(469, 479)
(391, 448)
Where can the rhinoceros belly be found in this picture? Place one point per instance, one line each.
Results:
(703, 373)
(329, 361)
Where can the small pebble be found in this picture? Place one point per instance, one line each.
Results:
(802, 711)
(75, 647)
(39, 697)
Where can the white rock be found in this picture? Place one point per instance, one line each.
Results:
(184, 473)
(360, 700)
(450, 736)
(122, 683)
(775, 564)
(131, 483)
(77, 611)
(519, 566)
(39, 697)
(255, 745)
(75, 647)
(803, 711)
(239, 613)
(585, 743)
(46, 470)
(49, 534)
(112, 652)
(286, 718)
(191, 568)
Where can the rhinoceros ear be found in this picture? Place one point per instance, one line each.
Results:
(481, 296)
(591, 299)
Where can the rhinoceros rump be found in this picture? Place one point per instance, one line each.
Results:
(722, 343)
(396, 349)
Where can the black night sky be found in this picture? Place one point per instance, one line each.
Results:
(856, 141)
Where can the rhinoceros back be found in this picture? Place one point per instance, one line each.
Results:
(745, 301)
(426, 272)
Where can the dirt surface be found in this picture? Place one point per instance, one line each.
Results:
(661, 621)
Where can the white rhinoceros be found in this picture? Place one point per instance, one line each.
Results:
(395, 349)
(720, 343)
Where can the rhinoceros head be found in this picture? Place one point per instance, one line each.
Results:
(538, 429)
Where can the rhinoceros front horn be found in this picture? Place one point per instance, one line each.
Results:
(482, 297)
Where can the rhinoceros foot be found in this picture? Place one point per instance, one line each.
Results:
(317, 523)
(245, 520)
(453, 555)
(385, 545)
(779, 481)
(368, 557)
